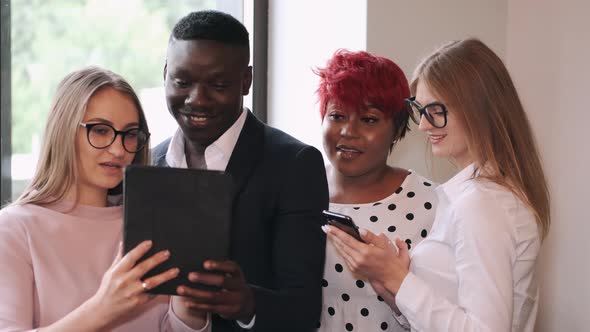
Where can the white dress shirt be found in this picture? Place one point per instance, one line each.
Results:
(476, 269)
(217, 156)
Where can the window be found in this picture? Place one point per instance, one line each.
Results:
(49, 39)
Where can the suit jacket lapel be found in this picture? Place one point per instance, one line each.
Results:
(247, 152)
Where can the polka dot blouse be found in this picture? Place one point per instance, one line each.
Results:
(350, 304)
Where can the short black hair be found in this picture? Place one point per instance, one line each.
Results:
(212, 25)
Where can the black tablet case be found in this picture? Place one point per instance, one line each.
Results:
(186, 211)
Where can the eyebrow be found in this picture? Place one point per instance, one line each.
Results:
(370, 106)
(415, 101)
(105, 121)
(428, 104)
(214, 73)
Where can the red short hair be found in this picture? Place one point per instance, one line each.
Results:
(353, 79)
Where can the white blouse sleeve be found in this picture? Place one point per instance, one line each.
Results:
(173, 323)
(483, 244)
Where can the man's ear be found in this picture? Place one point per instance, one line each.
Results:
(247, 81)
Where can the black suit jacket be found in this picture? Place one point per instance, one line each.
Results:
(276, 238)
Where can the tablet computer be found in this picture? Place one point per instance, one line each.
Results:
(186, 211)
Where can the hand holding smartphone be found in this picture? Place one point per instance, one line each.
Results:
(343, 222)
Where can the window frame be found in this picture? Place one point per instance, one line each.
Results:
(5, 104)
(260, 60)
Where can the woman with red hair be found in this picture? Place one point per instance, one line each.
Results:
(364, 115)
(476, 270)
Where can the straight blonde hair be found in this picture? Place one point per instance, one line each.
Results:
(476, 86)
(57, 169)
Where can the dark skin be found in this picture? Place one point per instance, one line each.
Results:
(358, 144)
(205, 82)
(235, 301)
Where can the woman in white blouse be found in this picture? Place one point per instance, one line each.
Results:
(476, 269)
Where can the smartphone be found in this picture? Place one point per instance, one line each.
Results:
(343, 222)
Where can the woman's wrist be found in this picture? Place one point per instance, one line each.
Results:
(393, 284)
(95, 319)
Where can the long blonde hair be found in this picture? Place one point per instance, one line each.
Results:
(472, 80)
(57, 168)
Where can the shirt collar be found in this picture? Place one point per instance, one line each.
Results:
(217, 154)
(456, 185)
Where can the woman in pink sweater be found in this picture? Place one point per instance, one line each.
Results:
(60, 262)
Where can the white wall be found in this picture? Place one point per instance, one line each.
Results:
(303, 35)
(548, 55)
(406, 31)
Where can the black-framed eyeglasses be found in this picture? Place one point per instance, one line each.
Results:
(102, 135)
(435, 113)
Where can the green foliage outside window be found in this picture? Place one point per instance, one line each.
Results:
(51, 38)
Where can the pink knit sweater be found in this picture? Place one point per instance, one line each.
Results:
(52, 260)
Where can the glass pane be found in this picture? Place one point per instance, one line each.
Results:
(52, 38)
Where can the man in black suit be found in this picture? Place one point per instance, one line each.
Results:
(273, 280)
